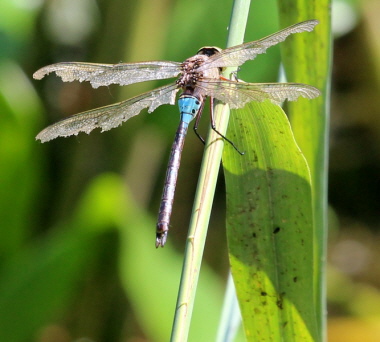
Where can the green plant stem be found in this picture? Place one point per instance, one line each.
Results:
(205, 194)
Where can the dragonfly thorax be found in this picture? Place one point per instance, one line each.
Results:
(191, 74)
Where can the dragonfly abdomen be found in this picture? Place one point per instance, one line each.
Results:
(189, 107)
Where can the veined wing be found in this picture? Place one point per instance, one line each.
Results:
(238, 94)
(110, 116)
(237, 55)
(106, 74)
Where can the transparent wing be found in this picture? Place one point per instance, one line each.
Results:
(106, 74)
(110, 116)
(237, 55)
(237, 94)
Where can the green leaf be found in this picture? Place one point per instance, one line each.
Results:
(270, 226)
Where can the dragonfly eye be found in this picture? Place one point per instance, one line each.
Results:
(208, 50)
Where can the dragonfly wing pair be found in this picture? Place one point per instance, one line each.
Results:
(104, 75)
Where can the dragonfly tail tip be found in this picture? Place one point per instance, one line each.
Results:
(161, 239)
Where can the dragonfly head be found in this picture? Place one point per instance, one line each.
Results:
(208, 50)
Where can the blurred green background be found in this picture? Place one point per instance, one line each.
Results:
(78, 215)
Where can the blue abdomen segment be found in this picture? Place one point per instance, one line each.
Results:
(189, 107)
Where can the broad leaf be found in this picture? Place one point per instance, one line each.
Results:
(270, 226)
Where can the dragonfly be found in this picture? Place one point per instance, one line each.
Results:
(198, 77)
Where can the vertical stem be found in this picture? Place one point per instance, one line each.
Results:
(205, 194)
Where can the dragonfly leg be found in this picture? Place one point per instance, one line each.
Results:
(234, 74)
(196, 124)
(213, 126)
